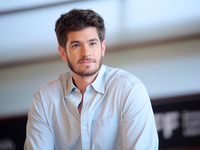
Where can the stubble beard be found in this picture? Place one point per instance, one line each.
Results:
(86, 72)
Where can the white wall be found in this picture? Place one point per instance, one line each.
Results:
(126, 21)
(166, 70)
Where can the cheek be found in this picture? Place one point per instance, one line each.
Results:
(73, 57)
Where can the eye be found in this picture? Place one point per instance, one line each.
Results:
(75, 45)
(93, 44)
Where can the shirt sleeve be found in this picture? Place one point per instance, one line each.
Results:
(38, 134)
(138, 125)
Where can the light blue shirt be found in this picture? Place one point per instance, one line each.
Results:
(116, 114)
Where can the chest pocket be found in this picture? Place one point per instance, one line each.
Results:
(105, 122)
(106, 133)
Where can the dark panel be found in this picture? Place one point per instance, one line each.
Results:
(12, 133)
(178, 121)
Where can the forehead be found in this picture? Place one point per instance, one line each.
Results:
(82, 35)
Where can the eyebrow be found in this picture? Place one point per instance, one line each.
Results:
(95, 39)
(91, 40)
(72, 42)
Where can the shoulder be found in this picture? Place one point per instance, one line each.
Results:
(54, 85)
(126, 86)
(121, 76)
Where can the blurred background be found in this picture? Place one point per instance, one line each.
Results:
(156, 40)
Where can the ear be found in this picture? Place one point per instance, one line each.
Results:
(103, 45)
(62, 53)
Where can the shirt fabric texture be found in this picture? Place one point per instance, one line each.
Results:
(116, 115)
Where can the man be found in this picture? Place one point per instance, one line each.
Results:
(92, 106)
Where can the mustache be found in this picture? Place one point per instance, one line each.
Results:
(86, 59)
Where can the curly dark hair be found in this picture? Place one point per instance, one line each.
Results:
(78, 19)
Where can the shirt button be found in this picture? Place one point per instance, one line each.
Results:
(76, 90)
(75, 104)
(85, 128)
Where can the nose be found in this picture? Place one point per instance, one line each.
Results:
(86, 52)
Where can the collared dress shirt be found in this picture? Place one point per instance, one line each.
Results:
(116, 115)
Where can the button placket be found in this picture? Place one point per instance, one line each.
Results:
(84, 128)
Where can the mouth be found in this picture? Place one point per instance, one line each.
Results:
(86, 61)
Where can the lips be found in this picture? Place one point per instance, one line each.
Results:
(86, 61)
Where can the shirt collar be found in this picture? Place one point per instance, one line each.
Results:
(69, 84)
(99, 82)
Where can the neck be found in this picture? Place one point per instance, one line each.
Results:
(82, 82)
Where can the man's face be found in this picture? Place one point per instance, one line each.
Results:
(84, 51)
